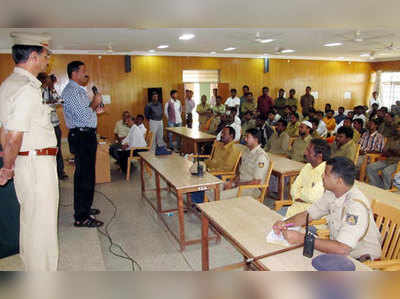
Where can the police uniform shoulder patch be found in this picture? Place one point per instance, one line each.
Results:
(351, 219)
(260, 164)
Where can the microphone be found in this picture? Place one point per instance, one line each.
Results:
(95, 92)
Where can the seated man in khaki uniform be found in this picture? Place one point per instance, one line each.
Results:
(293, 126)
(308, 186)
(344, 145)
(252, 170)
(225, 153)
(279, 141)
(248, 122)
(350, 220)
(300, 144)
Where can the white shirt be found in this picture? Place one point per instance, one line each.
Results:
(189, 106)
(143, 129)
(321, 129)
(213, 101)
(178, 110)
(232, 102)
(236, 125)
(135, 137)
(372, 100)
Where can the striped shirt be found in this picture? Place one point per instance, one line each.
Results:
(77, 112)
(372, 142)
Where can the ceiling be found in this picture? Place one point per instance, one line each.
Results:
(135, 27)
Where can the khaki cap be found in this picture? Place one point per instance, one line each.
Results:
(31, 39)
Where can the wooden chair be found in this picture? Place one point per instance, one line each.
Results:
(149, 142)
(369, 158)
(388, 223)
(225, 175)
(263, 187)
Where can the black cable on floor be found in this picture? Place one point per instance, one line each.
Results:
(107, 234)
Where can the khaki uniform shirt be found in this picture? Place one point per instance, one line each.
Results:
(201, 109)
(22, 110)
(224, 158)
(308, 187)
(386, 130)
(121, 129)
(251, 124)
(347, 150)
(307, 102)
(254, 166)
(278, 144)
(298, 148)
(248, 106)
(350, 221)
(291, 102)
(293, 129)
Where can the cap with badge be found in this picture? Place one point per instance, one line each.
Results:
(307, 123)
(31, 39)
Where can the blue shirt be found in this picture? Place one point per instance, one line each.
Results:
(77, 112)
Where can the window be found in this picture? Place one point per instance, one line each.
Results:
(389, 88)
(200, 76)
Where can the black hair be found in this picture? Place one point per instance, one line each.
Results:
(234, 89)
(328, 104)
(348, 132)
(265, 88)
(343, 168)
(255, 133)
(154, 93)
(218, 97)
(172, 92)
(245, 86)
(232, 131)
(281, 89)
(385, 109)
(320, 112)
(321, 147)
(292, 90)
(20, 53)
(233, 109)
(73, 67)
(42, 77)
(375, 104)
(315, 121)
(392, 115)
(330, 110)
(376, 122)
(359, 121)
(53, 78)
(272, 112)
(140, 116)
(249, 93)
(282, 121)
(341, 107)
(308, 87)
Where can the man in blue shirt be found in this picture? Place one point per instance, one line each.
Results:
(80, 114)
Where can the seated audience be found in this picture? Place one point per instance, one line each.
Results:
(373, 111)
(360, 113)
(293, 126)
(321, 129)
(395, 109)
(266, 130)
(273, 117)
(308, 186)
(359, 130)
(388, 166)
(248, 122)
(233, 121)
(134, 139)
(121, 130)
(329, 121)
(386, 128)
(340, 116)
(352, 232)
(315, 122)
(300, 144)
(225, 152)
(371, 141)
(344, 145)
(279, 141)
(252, 170)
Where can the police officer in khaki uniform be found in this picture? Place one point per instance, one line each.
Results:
(253, 168)
(350, 220)
(30, 149)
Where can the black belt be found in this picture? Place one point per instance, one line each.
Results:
(84, 129)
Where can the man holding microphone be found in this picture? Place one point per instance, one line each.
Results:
(81, 118)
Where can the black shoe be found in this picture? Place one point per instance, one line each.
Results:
(94, 212)
(89, 222)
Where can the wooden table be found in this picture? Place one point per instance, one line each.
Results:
(378, 194)
(245, 222)
(192, 135)
(103, 163)
(174, 169)
(282, 168)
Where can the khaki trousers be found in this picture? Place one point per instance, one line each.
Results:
(36, 185)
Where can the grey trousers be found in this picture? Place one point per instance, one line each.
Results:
(157, 127)
(375, 179)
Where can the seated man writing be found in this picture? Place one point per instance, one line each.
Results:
(134, 139)
(252, 170)
(351, 223)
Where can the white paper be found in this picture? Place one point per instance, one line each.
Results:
(279, 239)
(347, 95)
(315, 94)
(106, 99)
